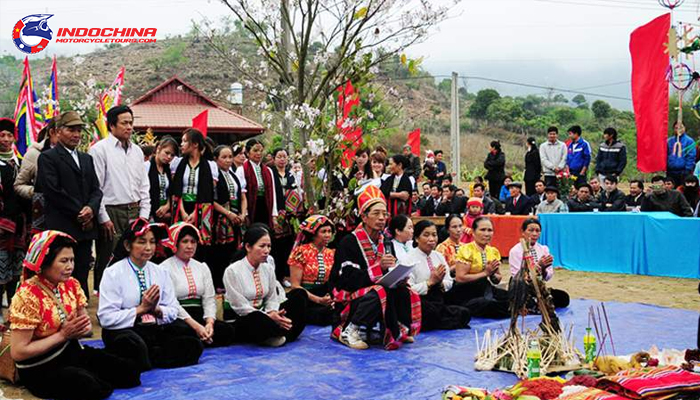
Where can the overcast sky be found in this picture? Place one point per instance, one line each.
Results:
(571, 44)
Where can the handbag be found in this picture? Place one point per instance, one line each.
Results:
(8, 369)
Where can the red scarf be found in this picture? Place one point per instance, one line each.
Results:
(252, 188)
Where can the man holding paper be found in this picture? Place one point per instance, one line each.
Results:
(361, 261)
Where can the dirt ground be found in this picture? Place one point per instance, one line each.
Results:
(666, 292)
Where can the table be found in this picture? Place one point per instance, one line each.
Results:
(506, 229)
(655, 243)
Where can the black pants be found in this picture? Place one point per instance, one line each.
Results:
(257, 326)
(550, 180)
(161, 346)
(224, 334)
(435, 314)
(580, 180)
(280, 252)
(677, 177)
(482, 299)
(530, 186)
(218, 259)
(318, 314)
(83, 258)
(80, 373)
(367, 310)
(495, 187)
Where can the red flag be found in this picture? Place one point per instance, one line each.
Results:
(650, 92)
(200, 122)
(414, 142)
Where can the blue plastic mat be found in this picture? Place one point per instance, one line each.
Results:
(315, 367)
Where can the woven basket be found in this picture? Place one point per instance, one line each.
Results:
(8, 369)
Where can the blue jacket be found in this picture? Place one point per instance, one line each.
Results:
(505, 193)
(579, 155)
(684, 163)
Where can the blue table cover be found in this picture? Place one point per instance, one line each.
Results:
(655, 243)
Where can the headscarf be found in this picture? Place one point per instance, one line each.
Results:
(138, 228)
(311, 226)
(39, 247)
(177, 229)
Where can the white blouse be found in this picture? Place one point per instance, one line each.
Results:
(240, 174)
(402, 250)
(120, 294)
(421, 271)
(249, 289)
(192, 281)
(186, 176)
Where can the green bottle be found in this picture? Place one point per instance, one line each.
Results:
(534, 355)
(589, 345)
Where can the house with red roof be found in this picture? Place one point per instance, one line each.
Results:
(168, 109)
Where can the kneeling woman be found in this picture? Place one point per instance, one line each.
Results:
(531, 231)
(430, 278)
(310, 267)
(138, 309)
(255, 299)
(194, 288)
(477, 275)
(48, 317)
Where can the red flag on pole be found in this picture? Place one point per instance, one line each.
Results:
(200, 122)
(650, 92)
(414, 142)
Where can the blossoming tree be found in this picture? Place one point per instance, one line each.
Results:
(310, 49)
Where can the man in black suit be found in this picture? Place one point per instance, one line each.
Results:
(71, 191)
(432, 203)
(517, 204)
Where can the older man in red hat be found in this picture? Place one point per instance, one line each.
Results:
(361, 260)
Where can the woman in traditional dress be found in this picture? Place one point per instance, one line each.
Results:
(159, 176)
(255, 300)
(193, 187)
(231, 208)
(310, 263)
(13, 213)
(48, 315)
(138, 310)
(477, 274)
(401, 230)
(360, 261)
(287, 202)
(397, 188)
(531, 231)
(260, 191)
(430, 278)
(194, 288)
(450, 247)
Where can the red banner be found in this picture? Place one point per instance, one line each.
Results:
(650, 62)
(414, 142)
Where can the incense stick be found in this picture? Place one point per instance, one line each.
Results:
(607, 323)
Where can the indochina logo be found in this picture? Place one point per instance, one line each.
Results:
(33, 26)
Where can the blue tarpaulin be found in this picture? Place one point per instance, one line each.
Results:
(314, 367)
(657, 243)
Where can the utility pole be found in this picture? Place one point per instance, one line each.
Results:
(287, 140)
(454, 130)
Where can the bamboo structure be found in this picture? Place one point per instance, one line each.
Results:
(508, 351)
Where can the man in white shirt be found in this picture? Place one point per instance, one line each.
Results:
(123, 181)
(553, 156)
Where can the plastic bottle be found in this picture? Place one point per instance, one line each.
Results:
(589, 345)
(534, 355)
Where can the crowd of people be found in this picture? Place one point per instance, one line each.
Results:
(548, 169)
(193, 221)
